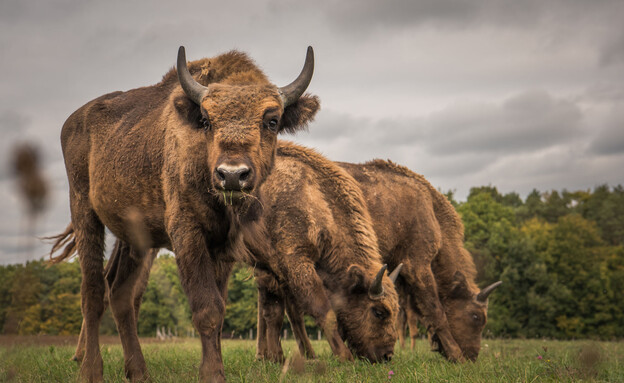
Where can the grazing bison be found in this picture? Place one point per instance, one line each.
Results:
(417, 226)
(176, 165)
(325, 259)
(323, 255)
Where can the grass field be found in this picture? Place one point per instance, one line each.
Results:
(47, 360)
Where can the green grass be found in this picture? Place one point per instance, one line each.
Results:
(500, 361)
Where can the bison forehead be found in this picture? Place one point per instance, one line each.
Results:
(241, 102)
(236, 134)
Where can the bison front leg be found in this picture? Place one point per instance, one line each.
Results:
(401, 323)
(306, 290)
(412, 324)
(261, 342)
(202, 280)
(298, 326)
(270, 316)
(424, 299)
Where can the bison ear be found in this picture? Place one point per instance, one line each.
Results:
(459, 288)
(298, 115)
(357, 278)
(187, 109)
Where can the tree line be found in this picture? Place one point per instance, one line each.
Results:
(560, 256)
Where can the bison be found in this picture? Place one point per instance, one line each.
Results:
(323, 255)
(418, 227)
(324, 258)
(176, 165)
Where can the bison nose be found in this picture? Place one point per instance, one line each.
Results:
(471, 355)
(388, 356)
(235, 177)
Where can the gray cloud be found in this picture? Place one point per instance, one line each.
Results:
(610, 139)
(525, 122)
(613, 50)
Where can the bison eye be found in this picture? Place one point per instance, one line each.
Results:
(475, 317)
(205, 123)
(380, 314)
(272, 125)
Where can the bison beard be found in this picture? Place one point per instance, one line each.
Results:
(149, 164)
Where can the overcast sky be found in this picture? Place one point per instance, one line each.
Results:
(516, 94)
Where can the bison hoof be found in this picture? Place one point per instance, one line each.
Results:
(346, 357)
(215, 377)
(455, 357)
(137, 375)
(92, 375)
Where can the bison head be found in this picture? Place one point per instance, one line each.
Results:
(466, 312)
(231, 121)
(367, 313)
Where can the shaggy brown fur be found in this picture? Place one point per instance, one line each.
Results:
(148, 159)
(417, 226)
(324, 255)
(325, 259)
(438, 277)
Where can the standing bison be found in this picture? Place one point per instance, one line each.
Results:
(176, 165)
(417, 226)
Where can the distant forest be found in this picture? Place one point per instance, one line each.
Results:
(560, 256)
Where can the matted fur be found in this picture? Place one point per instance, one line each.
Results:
(321, 231)
(450, 225)
(323, 251)
(417, 226)
(335, 182)
(143, 163)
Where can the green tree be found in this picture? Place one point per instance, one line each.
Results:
(488, 228)
(533, 206)
(26, 292)
(606, 208)
(555, 206)
(7, 274)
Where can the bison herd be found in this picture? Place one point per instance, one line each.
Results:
(193, 164)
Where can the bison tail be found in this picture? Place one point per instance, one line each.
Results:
(65, 240)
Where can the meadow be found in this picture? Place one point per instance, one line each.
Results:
(37, 359)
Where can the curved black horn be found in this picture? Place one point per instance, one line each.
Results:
(395, 273)
(291, 92)
(376, 290)
(194, 90)
(483, 295)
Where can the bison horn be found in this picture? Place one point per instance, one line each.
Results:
(483, 295)
(291, 92)
(376, 290)
(194, 90)
(395, 273)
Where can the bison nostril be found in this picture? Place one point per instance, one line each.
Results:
(387, 357)
(244, 175)
(220, 174)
